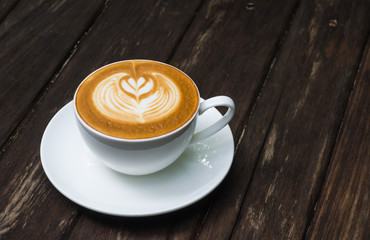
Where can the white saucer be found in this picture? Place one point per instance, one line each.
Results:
(80, 176)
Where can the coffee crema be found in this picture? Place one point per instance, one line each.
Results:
(137, 99)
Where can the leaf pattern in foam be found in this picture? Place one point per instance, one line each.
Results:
(124, 100)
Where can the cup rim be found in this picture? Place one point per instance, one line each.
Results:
(125, 140)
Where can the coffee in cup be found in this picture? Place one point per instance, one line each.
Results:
(137, 99)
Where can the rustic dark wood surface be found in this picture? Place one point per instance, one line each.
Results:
(298, 71)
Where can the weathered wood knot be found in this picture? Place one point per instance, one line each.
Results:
(333, 23)
(250, 6)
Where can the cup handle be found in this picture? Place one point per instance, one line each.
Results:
(219, 101)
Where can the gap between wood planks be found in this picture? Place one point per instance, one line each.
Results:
(268, 132)
(177, 44)
(39, 97)
(360, 61)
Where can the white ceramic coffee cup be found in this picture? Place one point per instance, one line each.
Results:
(146, 156)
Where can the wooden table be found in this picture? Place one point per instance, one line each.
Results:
(299, 72)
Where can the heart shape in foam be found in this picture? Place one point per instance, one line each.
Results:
(137, 88)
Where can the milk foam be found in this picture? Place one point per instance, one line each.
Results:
(143, 99)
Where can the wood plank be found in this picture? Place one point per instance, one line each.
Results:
(309, 86)
(36, 37)
(343, 208)
(30, 207)
(209, 44)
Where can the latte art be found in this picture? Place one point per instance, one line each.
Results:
(137, 99)
(123, 98)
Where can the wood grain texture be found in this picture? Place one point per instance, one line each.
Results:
(35, 39)
(291, 67)
(30, 207)
(6, 7)
(343, 208)
(228, 51)
(304, 124)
